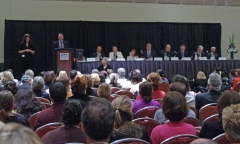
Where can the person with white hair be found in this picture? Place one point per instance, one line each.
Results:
(212, 55)
(214, 87)
(198, 53)
(126, 84)
(30, 73)
(38, 87)
(114, 80)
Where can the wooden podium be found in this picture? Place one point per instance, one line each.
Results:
(63, 58)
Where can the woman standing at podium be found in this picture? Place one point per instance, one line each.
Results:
(26, 51)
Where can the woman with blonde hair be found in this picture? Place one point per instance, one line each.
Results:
(6, 76)
(200, 81)
(104, 90)
(124, 127)
(62, 73)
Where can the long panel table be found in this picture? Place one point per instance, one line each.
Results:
(186, 68)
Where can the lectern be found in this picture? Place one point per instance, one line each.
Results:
(63, 59)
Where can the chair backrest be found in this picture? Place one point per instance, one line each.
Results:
(164, 87)
(195, 110)
(192, 121)
(112, 97)
(180, 139)
(212, 118)
(221, 139)
(148, 123)
(238, 87)
(40, 99)
(115, 89)
(146, 112)
(130, 141)
(41, 131)
(32, 119)
(125, 92)
(207, 110)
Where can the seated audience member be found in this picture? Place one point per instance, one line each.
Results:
(154, 79)
(95, 71)
(89, 85)
(104, 67)
(6, 76)
(126, 84)
(102, 78)
(203, 141)
(26, 82)
(163, 79)
(73, 74)
(95, 80)
(149, 53)
(104, 90)
(42, 73)
(98, 54)
(225, 85)
(175, 109)
(237, 79)
(124, 127)
(38, 88)
(79, 86)
(11, 86)
(6, 108)
(15, 80)
(30, 73)
(62, 73)
(214, 87)
(97, 120)
(167, 52)
(13, 133)
(232, 76)
(48, 77)
(71, 132)
(66, 82)
(177, 87)
(132, 55)
(198, 53)
(231, 123)
(115, 54)
(182, 53)
(190, 96)
(145, 90)
(213, 129)
(136, 80)
(212, 55)
(53, 114)
(114, 80)
(26, 103)
(139, 72)
(199, 82)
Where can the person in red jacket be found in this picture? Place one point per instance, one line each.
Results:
(237, 79)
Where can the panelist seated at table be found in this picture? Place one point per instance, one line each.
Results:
(98, 54)
(149, 54)
(104, 67)
(167, 53)
(133, 55)
(60, 43)
(182, 53)
(198, 53)
(212, 55)
(115, 53)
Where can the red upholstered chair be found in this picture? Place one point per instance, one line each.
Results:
(146, 112)
(212, 118)
(112, 97)
(32, 119)
(238, 87)
(47, 128)
(164, 87)
(195, 110)
(192, 121)
(43, 100)
(130, 141)
(221, 139)
(180, 139)
(148, 123)
(115, 89)
(206, 111)
(125, 92)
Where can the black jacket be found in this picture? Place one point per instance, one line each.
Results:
(209, 56)
(179, 54)
(153, 54)
(169, 54)
(211, 130)
(95, 54)
(56, 44)
(202, 55)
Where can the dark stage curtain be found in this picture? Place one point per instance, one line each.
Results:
(88, 35)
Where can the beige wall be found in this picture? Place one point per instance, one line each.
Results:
(136, 12)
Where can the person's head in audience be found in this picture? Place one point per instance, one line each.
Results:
(105, 61)
(99, 49)
(6, 104)
(154, 79)
(113, 78)
(174, 106)
(79, 85)
(227, 98)
(104, 90)
(121, 72)
(26, 79)
(42, 73)
(89, 80)
(203, 141)
(95, 79)
(71, 115)
(102, 78)
(133, 53)
(10, 70)
(72, 74)
(161, 73)
(11, 86)
(214, 82)
(182, 79)
(114, 49)
(38, 83)
(6, 75)
(26, 103)
(148, 46)
(200, 49)
(65, 81)
(145, 91)
(182, 48)
(29, 72)
(201, 75)
(231, 123)
(232, 73)
(136, 77)
(49, 76)
(98, 119)
(60, 36)
(57, 92)
(168, 48)
(213, 49)
(178, 87)
(14, 133)
(237, 73)
(95, 71)
(62, 73)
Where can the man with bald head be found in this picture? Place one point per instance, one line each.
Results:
(167, 52)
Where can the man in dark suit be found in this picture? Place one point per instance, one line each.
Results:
(60, 43)
(212, 55)
(214, 87)
(182, 53)
(99, 53)
(167, 52)
(198, 53)
(26, 82)
(149, 53)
